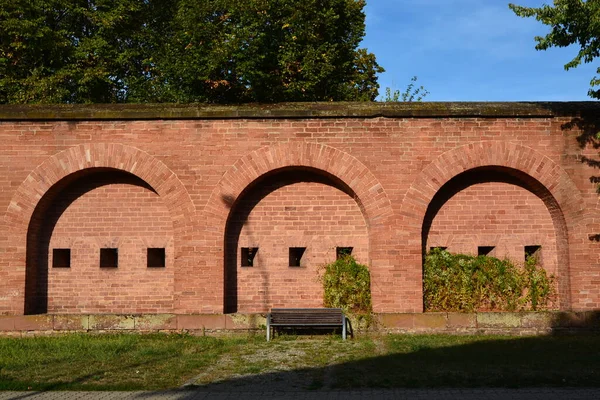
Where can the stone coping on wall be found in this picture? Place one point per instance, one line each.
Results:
(521, 323)
(82, 112)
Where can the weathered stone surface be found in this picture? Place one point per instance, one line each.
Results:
(245, 321)
(7, 323)
(201, 321)
(71, 322)
(33, 323)
(498, 320)
(462, 320)
(155, 321)
(282, 110)
(539, 320)
(493, 323)
(396, 321)
(580, 320)
(430, 321)
(111, 322)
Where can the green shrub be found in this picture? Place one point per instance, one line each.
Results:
(347, 285)
(459, 282)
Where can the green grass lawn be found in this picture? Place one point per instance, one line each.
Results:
(130, 361)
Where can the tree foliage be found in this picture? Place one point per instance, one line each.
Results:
(218, 51)
(572, 22)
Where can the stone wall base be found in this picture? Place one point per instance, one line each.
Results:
(523, 323)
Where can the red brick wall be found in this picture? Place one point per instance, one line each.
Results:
(107, 210)
(496, 214)
(294, 209)
(202, 172)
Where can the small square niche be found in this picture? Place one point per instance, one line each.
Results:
(341, 252)
(296, 254)
(248, 254)
(533, 251)
(485, 250)
(109, 258)
(61, 258)
(156, 257)
(440, 248)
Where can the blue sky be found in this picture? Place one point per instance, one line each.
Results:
(470, 50)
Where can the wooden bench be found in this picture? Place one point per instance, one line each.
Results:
(305, 318)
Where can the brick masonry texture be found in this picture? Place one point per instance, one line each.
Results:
(203, 183)
(106, 213)
(293, 209)
(496, 215)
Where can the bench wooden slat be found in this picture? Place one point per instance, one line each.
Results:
(305, 317)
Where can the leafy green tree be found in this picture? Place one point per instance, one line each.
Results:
(75, 51)
(572, 22)
(219, 51)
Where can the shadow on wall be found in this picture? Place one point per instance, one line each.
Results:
(589, 126)
(243, 206)
(44, 219)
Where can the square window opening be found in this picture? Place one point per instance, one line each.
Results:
(156, 257)
(342, 252)
(109, 258)
(485, 250)
(441, 248)
(533, 251)
(248, 254)
(296, 254)
(61, 258)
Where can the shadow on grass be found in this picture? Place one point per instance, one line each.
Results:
(415, 361)
(80, 381)
(387, 361)
(448, 362)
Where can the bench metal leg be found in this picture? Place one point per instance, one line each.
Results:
(343, 327)
(268, 328)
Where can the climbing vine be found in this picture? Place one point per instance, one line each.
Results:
(459, 282)
(347, 285)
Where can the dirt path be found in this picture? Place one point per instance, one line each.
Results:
(299, 364)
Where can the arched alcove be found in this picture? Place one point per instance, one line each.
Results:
(498, 211)
(287, 210)
(61, 169)
(344, 170)
(508, 163)
(90, 210)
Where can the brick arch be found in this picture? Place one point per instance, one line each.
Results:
(539, 174)
(369, 194)
(70, 161)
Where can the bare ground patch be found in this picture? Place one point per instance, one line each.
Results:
(283, 364)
